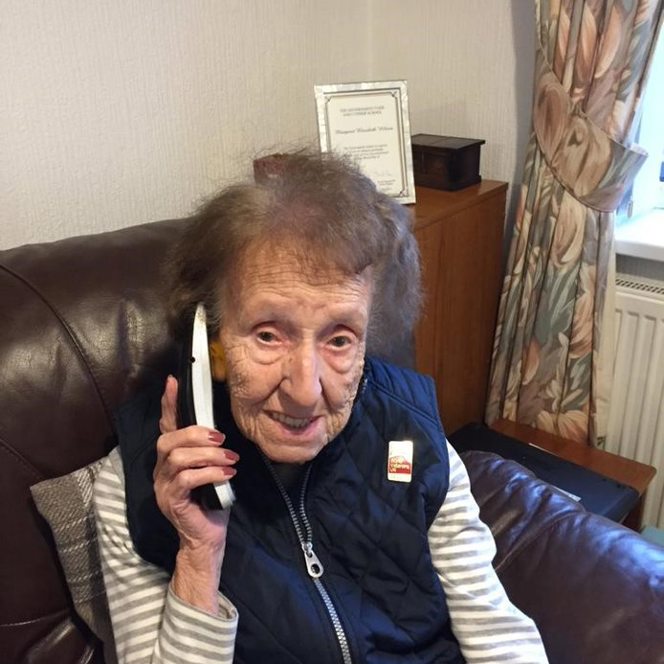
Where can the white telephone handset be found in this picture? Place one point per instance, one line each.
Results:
(195, 402)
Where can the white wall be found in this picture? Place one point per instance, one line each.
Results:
(115, 113)
(469, 66)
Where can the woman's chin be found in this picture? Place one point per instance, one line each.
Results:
(283, 451)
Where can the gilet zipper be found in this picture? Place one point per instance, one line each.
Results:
(314, 566)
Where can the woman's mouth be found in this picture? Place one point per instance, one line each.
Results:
(297, 423)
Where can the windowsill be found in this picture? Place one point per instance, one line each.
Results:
(642, 237)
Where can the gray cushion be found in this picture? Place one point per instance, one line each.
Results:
(66, 504)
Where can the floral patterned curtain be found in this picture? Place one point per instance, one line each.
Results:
(591, 63)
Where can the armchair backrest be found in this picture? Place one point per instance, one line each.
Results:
(82, 326)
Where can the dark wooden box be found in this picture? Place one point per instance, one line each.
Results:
(446, 162)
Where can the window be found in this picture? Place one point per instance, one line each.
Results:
(640, 220)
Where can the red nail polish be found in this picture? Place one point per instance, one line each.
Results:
(216, 437)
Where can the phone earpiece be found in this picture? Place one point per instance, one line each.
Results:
(217, 361)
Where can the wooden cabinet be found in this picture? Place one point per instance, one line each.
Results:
(626, 471)
(460, 235)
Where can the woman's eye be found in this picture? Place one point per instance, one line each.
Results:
(266, 337)
(340, 341)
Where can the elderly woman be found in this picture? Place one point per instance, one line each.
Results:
(324, 557)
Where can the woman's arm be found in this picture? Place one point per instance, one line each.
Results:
(488, 626)
(150, 622)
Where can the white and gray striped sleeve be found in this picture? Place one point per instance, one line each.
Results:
(489, 628)
(150, 623)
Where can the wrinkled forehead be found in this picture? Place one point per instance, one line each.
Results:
(263, 262)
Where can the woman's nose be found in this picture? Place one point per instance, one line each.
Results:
(302, 377)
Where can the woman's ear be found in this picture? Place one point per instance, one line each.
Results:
(217, 361)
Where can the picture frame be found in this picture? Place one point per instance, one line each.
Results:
(370, 123)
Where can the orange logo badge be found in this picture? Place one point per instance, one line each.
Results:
(400, 461)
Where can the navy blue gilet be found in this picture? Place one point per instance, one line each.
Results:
(369, 533)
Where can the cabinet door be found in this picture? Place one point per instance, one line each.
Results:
(460, 239)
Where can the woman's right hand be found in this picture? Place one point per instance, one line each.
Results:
(188, 458)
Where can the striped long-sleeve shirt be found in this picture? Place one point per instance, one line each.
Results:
(151, 624)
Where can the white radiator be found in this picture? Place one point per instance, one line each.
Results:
(636, 416)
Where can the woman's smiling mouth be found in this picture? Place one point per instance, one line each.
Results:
(297, 423)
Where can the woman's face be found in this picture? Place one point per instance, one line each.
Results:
(294, 342)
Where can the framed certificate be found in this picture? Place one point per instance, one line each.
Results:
(369, 122)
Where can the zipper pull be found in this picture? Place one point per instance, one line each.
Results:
(314, 566)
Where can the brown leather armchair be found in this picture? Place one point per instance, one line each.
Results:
(83, 327)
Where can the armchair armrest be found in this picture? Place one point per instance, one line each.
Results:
(594, 588)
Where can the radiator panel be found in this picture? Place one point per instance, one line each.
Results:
(636, 414)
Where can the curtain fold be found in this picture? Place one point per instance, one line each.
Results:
(550, 349)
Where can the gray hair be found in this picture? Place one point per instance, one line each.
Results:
(322, 205)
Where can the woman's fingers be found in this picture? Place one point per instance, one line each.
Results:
(186, 459)
(186, 468)
(173, 493)
(169, 408)
(192, 447)
(182, 458)
(193, 436)
(191, 478)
